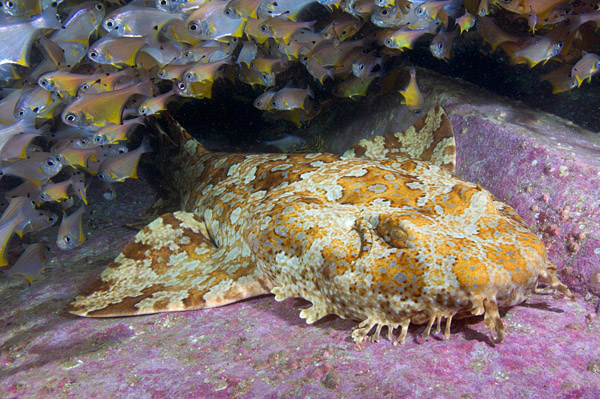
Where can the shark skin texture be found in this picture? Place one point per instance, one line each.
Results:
(385, 235)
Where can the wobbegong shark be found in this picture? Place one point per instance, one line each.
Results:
(386, 235)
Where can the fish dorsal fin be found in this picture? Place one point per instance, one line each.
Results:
(170, 265)
(430, 139)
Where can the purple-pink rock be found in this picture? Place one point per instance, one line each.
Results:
(546, 168)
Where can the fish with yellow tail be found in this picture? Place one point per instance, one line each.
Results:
(413, 98)
(388, 241)
(70, 231)
(122, 166)
(31, 262)
(97, 110)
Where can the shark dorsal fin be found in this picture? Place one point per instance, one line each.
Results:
(430, 139)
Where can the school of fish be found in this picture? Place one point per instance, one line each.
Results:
(78, 77)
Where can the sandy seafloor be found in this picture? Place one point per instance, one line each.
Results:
(260, 348)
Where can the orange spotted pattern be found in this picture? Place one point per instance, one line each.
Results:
(388, 242)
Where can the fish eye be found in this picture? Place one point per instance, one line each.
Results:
(67, 239)
(43, 83)
(417, 111)
(228, 12)
(85, 86)
(99, 6)
(9, 4)
(21, 113)
(162, 74)
(384, 11)
(388, 42)
(440, 45)
(52, 218)
(361, 66)
(181, 86)
(163, 2)
(263, 28)
(193, 27)
(189, 76)
(70, 118)
(143, 110)
(44, 197)
(93, 54)
(420, 12)
(109, 23)
(273, 103)
(101, 176)
(50, 162)
(559, 45)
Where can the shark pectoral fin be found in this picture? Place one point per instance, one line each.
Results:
(170, 265)
(429, 139)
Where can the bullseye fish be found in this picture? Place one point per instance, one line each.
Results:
(122, 166)
(16, 38)
(585, 68)
(31, 262)
(36, 169)
(412, 95)
(320, 226)
(70, 231)
(97, 110)
(287, 143)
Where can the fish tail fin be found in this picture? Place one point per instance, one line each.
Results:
(145, 88)
(49, 18)
(170, 265)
